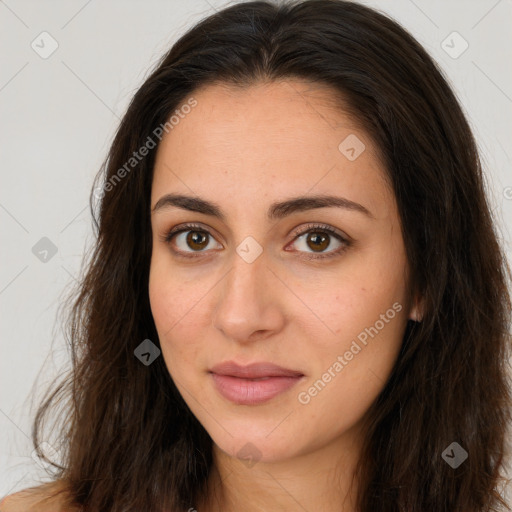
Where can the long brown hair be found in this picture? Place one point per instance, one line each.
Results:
(129, 441)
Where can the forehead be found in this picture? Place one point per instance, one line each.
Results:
(265, 141)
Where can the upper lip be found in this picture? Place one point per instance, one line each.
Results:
(253, 370)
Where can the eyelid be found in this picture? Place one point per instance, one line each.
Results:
(302, 230)
(331, 231)
(169, 235)
(188, 226)
(311, 226)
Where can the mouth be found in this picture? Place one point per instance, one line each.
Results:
(252, 384)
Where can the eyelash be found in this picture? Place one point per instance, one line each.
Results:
(316, 228)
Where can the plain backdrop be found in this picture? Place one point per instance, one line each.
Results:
(68, 70)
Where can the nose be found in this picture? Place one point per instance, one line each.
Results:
(249, 303)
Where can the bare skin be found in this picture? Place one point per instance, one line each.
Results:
(244, 150)
(38, 499)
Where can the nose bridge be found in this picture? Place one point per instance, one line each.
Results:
(244, 304)
(245, 280)
(249, 260)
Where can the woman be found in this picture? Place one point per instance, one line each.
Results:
(297, 299)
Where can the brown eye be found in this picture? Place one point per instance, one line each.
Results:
(317, 241)
(196, 240)
(190, 240)
(314, 240)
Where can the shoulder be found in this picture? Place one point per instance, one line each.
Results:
(48, 497)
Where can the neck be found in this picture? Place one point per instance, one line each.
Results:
(317, 480)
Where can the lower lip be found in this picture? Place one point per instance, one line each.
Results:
(251, 392)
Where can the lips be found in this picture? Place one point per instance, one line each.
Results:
(252, 384)
(254, 370)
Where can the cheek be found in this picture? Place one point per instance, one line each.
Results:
(351, 372)
(161, 289)
(364, 307)
(354, 297)
(178, 308)
(366, 335)
(173, 293)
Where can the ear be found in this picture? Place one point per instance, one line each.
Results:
(417, 310)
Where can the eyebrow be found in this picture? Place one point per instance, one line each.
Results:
(276, 211)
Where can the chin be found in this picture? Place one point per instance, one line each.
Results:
(252, 445)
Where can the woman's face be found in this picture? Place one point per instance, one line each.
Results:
(240, 285)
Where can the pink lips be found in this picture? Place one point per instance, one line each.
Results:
(252, 384)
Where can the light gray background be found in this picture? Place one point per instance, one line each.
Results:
(58, 116)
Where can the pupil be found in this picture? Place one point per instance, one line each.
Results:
(197, 238)
(318, 240)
